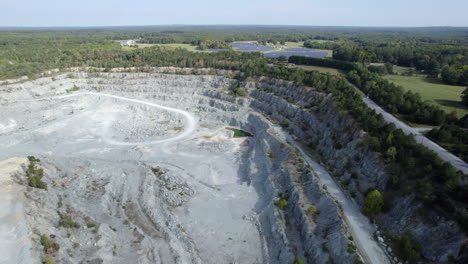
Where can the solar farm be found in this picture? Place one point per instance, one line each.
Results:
(274, 52)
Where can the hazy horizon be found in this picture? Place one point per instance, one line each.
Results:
(118, 13)
(233, 25)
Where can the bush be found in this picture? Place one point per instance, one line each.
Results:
(240, 133)
(35, 174)
(298, 261)
(373, 203)
(284, 123)
(408, 249)
(283, 202)
(49, 260)
(351, 248)
(358, 261)
(67, 222)
(45, 242)
(313, 145)
(464, 96)
(313, 210)
(75, 88)
(239, 92)
(271, 155)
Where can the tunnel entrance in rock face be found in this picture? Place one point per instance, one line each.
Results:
(145, 165)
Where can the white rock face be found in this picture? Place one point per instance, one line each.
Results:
(15, 239)
(205, 197)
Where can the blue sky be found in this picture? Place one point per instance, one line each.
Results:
(277, 12)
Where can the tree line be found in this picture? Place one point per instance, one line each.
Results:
(445, 60)
(392, 97)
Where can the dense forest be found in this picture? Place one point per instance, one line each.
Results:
(23, 54)
(447, 59)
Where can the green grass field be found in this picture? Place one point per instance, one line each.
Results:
(299, 44)
(446, 96)
(400, 70)
(320, 69)
(179, 45)
(172, 45)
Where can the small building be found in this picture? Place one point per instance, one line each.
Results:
(127, 42)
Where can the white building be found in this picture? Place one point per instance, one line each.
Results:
(128, 43)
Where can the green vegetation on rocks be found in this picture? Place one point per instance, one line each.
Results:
(35, 174)
(373, 203)
(283, 201)
(45, 242)
(240, 133)
(67, 222)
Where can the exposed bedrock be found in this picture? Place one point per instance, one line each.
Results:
(341, 145)
(154, 202)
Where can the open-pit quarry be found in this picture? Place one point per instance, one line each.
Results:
(142, 168)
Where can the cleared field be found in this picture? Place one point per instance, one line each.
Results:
(446, 96)
(400, 69)
(299, 44)
(319, 69)
(172, 45)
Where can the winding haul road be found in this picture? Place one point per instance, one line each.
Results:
(189, 126)
(359, 225)
(420, 138)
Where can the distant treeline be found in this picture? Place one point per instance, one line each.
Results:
(447, 60)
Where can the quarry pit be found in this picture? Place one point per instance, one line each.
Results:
(148, 167)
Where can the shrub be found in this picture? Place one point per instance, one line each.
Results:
(313, 210)
(337, 145)
(271, 154)
(242, 92)
(75, 88)
(240, 133)
(408, 249)
(35, 174)
(67, 222)
(284, 123)
(351, 248)
(313, 145)
(358, 261)
(45, 242)
(283, 202)
(49, 260)
(373, 203)
(464, 96)
(298, 261)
